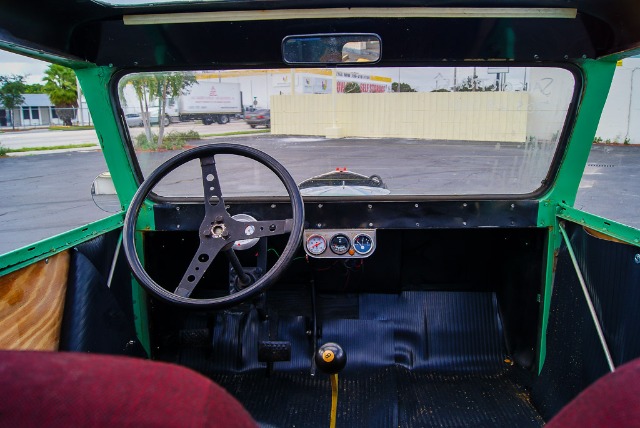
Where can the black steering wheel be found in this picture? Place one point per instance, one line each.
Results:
(218, 230)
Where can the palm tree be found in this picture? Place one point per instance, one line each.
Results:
(60, 86)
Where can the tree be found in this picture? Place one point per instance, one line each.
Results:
(352, 88)
(170, 85)
(403, 87)
(60, 86)
(473, 84)
(157, 88)
(34, 88)
(11, 90)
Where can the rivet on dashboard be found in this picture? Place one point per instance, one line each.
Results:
(369, 206)
(319, 225)
(416, 205)
(464, 205)
(273, 205)
(370, 224)
(464, 223)
(319, 205)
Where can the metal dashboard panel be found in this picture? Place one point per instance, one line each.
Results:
(367, 215)
(352, 251)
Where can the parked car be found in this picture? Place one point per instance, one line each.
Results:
(134, 120)
(261, 117)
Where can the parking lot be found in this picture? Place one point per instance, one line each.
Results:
(47, 194)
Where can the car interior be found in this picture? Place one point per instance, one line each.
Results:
(397, 249)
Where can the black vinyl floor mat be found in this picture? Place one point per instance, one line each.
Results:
(386, 397)
(414, 359)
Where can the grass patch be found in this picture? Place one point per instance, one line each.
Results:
(174, 140)
(45, 148)
(226, 134)
(70, 128)
(3, 151)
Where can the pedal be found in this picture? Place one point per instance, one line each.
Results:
(272, 351)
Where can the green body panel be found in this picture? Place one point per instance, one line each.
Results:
(597, 77)
(25, 256)
(95, 85)
(139, 301)
(610, 228)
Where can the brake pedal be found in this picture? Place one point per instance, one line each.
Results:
(270, 351)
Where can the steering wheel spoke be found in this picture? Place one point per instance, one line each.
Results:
(260, 229)
(207, 251)
(211, 184)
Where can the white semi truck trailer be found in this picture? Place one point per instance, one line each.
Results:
(210, 101)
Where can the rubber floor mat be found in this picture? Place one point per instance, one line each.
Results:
(414, 359)
(388, 397)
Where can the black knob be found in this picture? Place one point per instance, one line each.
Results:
(331, 358)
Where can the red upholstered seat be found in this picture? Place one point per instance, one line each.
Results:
(612, 401)
(69, 389)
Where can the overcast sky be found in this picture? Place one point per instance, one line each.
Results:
(16, 64)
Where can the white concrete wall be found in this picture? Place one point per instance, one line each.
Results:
(550, 91)
(467, 116)
(620, 119)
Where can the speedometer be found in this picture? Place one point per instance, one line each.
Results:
(339, 244)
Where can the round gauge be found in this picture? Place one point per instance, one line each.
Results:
(316, 244)
(363, 244)
(339, 244)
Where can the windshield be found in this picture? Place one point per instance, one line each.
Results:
(419, 131)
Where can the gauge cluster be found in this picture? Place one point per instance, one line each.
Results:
(351, 243)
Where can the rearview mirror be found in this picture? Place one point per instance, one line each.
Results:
(331, 49)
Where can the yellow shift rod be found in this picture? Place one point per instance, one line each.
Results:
(331, 359)
(334, 400)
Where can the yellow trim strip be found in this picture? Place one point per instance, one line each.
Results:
(356, 12)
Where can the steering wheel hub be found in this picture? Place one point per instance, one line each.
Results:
(219, 231)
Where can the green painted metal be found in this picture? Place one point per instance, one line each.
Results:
(545, 298)
(140, 314)
(25, 256)
(139, 299)
(610, 228)
(95, 83)
(597, 76)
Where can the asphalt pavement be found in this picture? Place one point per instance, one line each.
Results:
(48, 194)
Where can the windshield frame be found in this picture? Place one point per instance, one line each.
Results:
(547, 183)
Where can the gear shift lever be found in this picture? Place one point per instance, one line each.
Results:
(331, 359)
